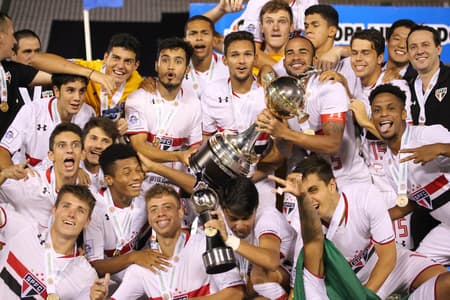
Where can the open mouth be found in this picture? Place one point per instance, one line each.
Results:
(170, 75)
(199, 47)
(69, 223)
(69, 163)
(385, 126)
(163, 223)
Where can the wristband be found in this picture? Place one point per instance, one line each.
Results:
(233, 242)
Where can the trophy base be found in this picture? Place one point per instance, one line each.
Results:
(219, 260)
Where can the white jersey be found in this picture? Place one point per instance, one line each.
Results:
(100, 237)
(427, 185)
(33, 197)
(365, 224)
(97, 179)
(33, 125)
(328, 101)
(249, 20)
(170, 125)
(269, 221)
(186, 278)
(196, 81)
(23, 263)
(226, 111)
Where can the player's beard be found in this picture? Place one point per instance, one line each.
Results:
(170, 86)
(242, 79)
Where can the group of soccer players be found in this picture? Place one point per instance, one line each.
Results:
(94, 163)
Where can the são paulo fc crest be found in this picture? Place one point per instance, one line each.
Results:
(31, 286)
(440, 93)
(422, 198)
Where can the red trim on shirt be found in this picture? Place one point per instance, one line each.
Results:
(22, 271)
(282, 297)
(48, 174)
(436, 184)
(31, 160)
(50, 107)
(334, 117)
(384, 243)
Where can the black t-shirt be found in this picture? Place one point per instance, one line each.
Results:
(16, 75)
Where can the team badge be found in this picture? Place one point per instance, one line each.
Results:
(440, 93)
(31, 286)
(422, 198)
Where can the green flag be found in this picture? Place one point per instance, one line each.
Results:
(340, 280)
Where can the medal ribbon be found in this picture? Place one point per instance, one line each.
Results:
(52, 272)
(210, 73)
(121, 226)
(166, 282)
(3, 86)
(115, 99)
(422, 97)
(26, 96)
(403, 170)
(163, 126)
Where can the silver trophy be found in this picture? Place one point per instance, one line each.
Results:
(218, 257)
(225, 156)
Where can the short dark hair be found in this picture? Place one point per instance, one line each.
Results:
(113, 153)
(200, 18)
(82, 192)
(162, 189)
(61, 128)
(237, 36)
(105, 124)
(326, 11)
(372, 35)
(127, 41)
(434, 32)
(302, 38)
(239, 196)
(22, 34)
(274, 6)
(59, 79)
(388, 88)
(400, 23)
(315, 164)
(176, 43)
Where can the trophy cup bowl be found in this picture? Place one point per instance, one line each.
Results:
(284, 97)
(217, 258)
(225, 156)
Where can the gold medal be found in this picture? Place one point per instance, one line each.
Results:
(52, 296)
(209, 231)
(176, 259)
(116, 252)
(195, 86)
(4, 107)
(156, 142)
(166, 296)
(402, 200)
